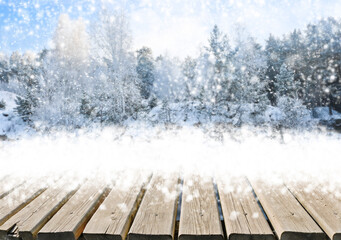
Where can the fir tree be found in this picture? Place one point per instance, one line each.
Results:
(189, 73)
(274, 61)
(285, 83)
(26, 70)
(4, 70)
(24, 108)
(219, 53)
(85, 107)
(145, 70)
(2, 104)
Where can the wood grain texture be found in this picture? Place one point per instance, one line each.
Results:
(114, 217)
(199, 218)
(243, 217)
(323, 206)
(156, 216)
(19, 198)
(287, 216)
(69, 222)
(28, 221)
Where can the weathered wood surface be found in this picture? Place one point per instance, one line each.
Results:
(8, 184)
(322, 205)
(199, 218)
(19, 198)
(287, 216)
(243, 217)
(69, 222)
(155, 218)
(30, 209)
(28, 221)
(114, 217)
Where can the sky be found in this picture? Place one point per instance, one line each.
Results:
(175, 27)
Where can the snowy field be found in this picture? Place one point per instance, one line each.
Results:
(208, 151)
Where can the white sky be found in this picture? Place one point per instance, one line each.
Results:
(179, 27)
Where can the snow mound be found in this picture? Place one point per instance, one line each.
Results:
(322, 113)
(9, 99)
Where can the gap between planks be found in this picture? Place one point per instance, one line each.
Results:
(114, 217)
(289, 219)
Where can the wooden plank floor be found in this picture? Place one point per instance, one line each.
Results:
(323, 206)
(19, 198)
(140, 209)
(288, 217)
(242, 215)
(156, 216)
(28, 221)
(114, 217)
(199, 218)
(69, 222)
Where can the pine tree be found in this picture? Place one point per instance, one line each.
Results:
(4, 70)
(85, 107)
(2, 104)
(26, 70)
(145, 70)
(285, 83)
(189, 73)
(27, 104)
(249, 83)
(219, 53)
(24, 108)
(274, 61)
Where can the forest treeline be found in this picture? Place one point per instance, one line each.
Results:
(90, 74)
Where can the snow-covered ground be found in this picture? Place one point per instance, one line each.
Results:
(215, 150)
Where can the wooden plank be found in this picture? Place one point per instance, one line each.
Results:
(114, 217)
(156, 216)
(27, 222)
(287, 216)
(69, 222)
(243, 217)
(19, 198)
(199, 218)
(323, 206)
(8, 184)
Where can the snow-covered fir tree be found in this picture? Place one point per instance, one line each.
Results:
(25, 70)
(274, 60)
(145, 70)
(249, 68)
(219, 53)
(4, 69)
(286, 84)
(189, 73)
